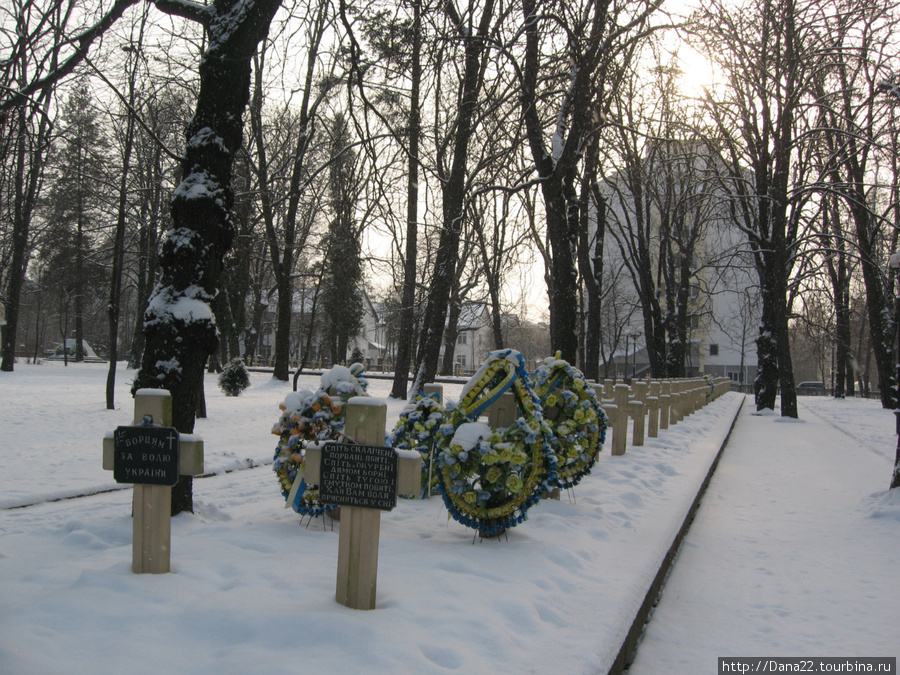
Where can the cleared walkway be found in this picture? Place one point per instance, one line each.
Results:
(795, 549)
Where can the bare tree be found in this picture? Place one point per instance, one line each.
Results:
(286, 234)
(769, 55)
(575, 56)
(663, 211)
(860, 40)
(452, 170)
(36, 46)
(114, 306)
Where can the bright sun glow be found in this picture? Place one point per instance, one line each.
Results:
(697, 72)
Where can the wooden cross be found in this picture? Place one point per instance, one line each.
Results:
(152, 509)
(357, 568)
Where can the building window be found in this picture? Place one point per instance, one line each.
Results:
(714, 350)
(461, 340)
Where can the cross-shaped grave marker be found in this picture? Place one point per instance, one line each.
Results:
(359, 477)
(503, 413)
(151, 454)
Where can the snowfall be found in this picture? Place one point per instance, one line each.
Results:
(795, 550)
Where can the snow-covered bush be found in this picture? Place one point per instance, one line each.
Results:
(234, 378)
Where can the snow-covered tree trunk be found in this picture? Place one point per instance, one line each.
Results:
(179, 327)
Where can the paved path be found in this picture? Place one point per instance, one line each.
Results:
(795, 551)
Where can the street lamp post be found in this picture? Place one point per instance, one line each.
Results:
(636, 334)
(833, 392)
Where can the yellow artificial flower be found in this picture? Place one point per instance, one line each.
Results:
(494, 474)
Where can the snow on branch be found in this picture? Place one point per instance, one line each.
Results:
(190, 306)
(891, 86)
(186, 9)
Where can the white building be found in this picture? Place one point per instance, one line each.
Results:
(475, 338)
(371, 340)
(680, 190)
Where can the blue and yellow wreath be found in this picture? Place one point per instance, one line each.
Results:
(417, 428)
(306, 417)
(574, 416)
(490, 477)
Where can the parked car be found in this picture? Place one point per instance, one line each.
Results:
(811, 389)
(60, 353)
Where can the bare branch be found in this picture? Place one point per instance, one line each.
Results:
(83, 41)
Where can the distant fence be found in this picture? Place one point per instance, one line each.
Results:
(748, 389)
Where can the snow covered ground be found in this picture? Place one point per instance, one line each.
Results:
(795, 550)
(811, 540)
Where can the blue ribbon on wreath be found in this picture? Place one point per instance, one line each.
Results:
(298, 498)
(516, 373)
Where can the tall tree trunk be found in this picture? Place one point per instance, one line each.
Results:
(406, 337)
(783, 347)
(118, 257)
(453, 193)
(590, 261)
(80, 281)
(451, 334)
(562, 228)
(30, 150)
(148, 240)
(115, 285)
(766, 384)
(178, 325)
(227, 328)
(878, 305)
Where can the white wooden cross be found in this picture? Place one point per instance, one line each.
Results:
(152, 510)
(357, 568)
